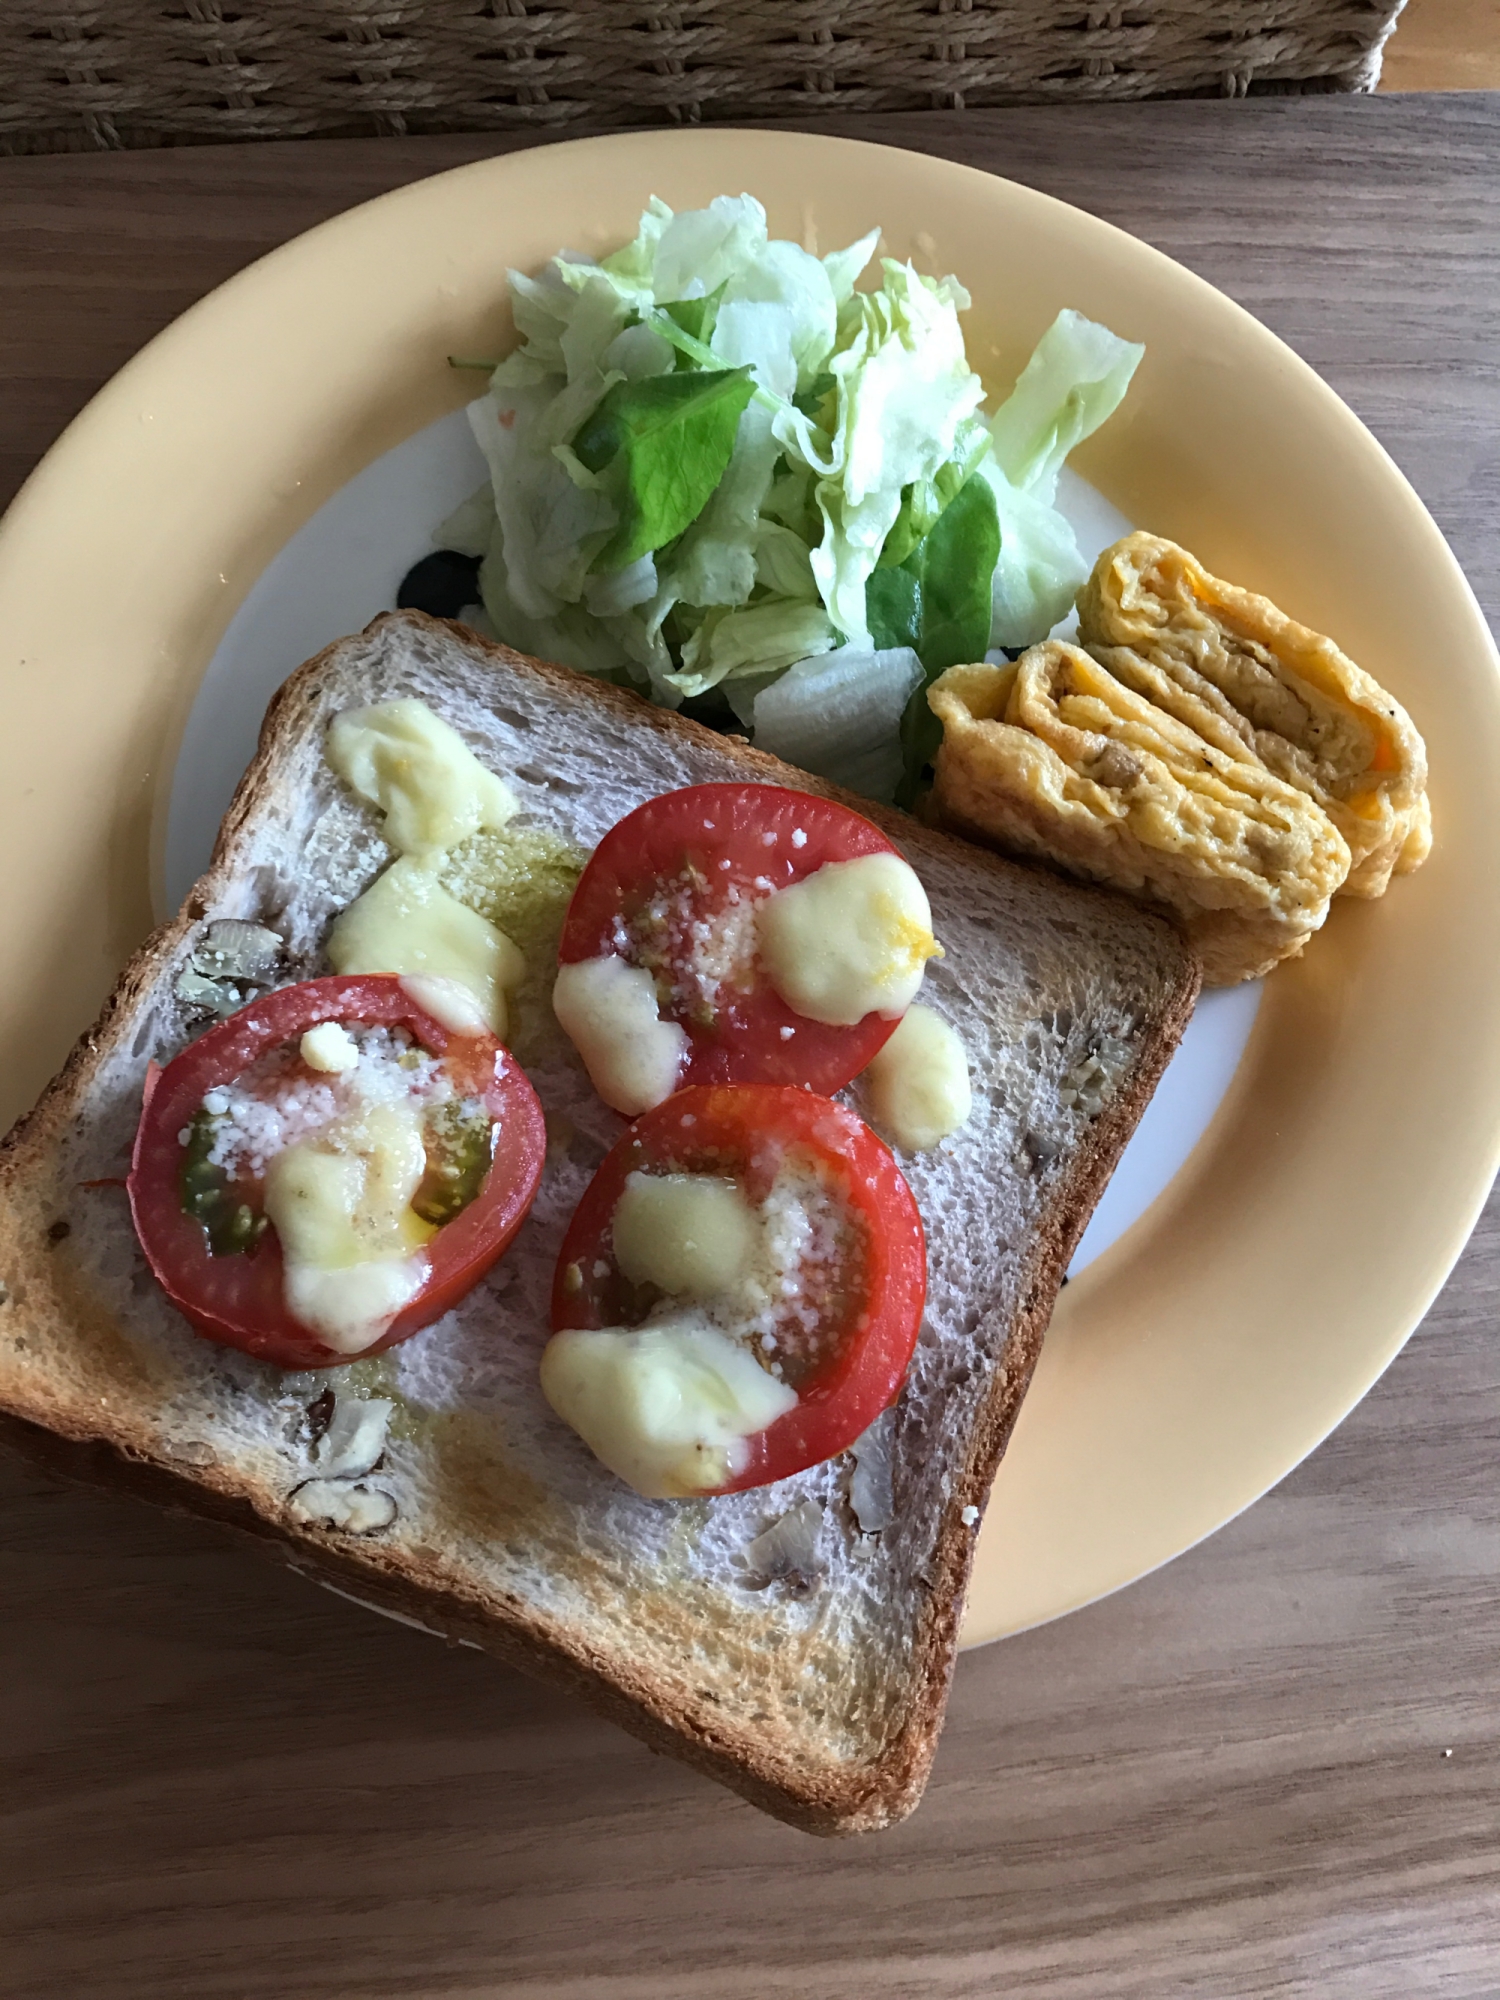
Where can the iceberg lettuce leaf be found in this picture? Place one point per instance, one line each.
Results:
(568, 634)
(1076, 377)
(779, 315)
(703, 248)
(839, 716)
(553, 528)
(904, 389)
(1040, 570)
(752, 640)
(845, 267)
(783, 561)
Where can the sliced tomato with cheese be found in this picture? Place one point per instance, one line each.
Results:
(673, 888)
(834, 1325)
(204, 1229)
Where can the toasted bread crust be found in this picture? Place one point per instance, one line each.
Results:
(106, 1449)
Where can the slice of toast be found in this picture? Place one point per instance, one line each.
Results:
(808, 1672)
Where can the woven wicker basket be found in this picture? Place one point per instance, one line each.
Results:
(152, 72)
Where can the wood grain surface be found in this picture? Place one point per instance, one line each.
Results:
(1271, 1769)
(1444, 45)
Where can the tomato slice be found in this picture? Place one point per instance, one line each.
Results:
(673, 887)
(238, 1299)
(849, 1371)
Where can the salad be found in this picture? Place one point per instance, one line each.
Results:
(723, 473)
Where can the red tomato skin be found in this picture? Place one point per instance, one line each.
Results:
(708, 825)
(745, 1129)
(238, 1300)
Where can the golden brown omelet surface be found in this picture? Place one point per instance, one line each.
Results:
(1252, 681)
(1056, 758)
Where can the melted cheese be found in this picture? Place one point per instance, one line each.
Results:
(667, 1406)
(919, 1082)
(848, 940)
(692, 1235)
(432, 789)
(608, 1011)
(329, 1048)
(407, 923)
(351, 1308)
(448, 1002)
(351, 1245)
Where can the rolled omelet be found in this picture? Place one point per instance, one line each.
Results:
(1254, 684)
(1055, 757)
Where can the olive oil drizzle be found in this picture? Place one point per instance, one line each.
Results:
(460, 1140)
(230, 1224)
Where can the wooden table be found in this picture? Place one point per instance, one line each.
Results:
(1274, 1768)
(1444, 45)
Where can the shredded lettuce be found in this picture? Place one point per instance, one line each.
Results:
(760, 636)
(904, 387)
(717, 464)
(839, 716)
(1075, 379)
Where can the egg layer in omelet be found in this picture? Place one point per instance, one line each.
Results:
(1055, 758)
(1200, 749)
(1249, 679)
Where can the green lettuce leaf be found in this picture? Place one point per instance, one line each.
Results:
(695, 317)
(923, 502)
(665, 443)
(716, 560)
(938, 602)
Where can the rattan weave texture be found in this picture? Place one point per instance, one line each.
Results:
(151, 72)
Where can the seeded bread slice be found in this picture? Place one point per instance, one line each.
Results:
(807, 1667)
